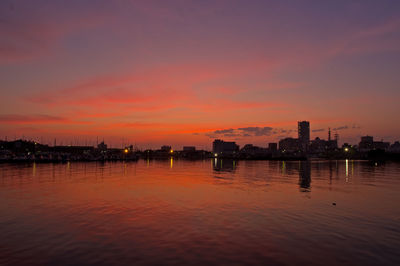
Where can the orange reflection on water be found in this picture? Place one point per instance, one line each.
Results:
(164, 210)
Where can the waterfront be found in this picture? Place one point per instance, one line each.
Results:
(200, 212)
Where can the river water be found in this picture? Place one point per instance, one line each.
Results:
(200, 212)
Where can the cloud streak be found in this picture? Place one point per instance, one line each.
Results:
(341, 128)
(244, 132)
(38, 119)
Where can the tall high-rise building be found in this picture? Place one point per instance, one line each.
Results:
(304, 135)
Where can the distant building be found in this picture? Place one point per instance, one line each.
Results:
(367, 139)
(189, 148)
(76, 149)
(395, 147)
(332, 144)
(366, 143)
(129, 148)
(304, 135)
(381, 145)
(102, 146)
(250, 149)
(166, 148)
(289, 145)
(18, 144)
(224, 147)
(318, 145)
(273, 146)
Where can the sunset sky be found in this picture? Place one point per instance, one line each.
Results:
(186, 72)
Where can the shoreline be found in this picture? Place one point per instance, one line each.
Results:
(12, 161)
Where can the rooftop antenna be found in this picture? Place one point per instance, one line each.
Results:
(329, 134)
